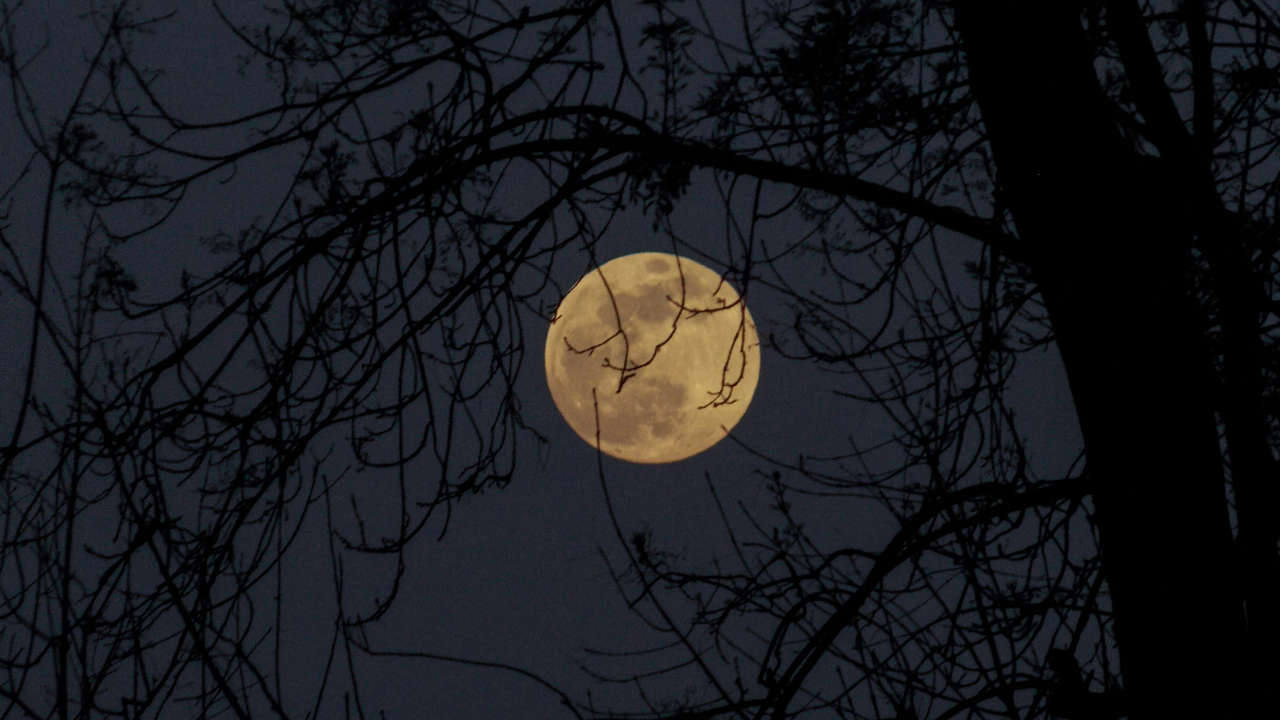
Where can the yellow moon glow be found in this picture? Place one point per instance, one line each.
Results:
(669, 350)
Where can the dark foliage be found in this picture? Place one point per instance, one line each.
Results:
(1100, 181)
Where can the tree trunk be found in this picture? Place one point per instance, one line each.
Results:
(1109, 254)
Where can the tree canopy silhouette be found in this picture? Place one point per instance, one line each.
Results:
(978, 181)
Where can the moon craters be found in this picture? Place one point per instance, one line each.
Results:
(651, 365)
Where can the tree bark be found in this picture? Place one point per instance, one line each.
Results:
(1108, 246)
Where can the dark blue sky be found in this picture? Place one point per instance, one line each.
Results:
(519, 578)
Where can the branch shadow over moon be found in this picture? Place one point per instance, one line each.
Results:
(670, 349)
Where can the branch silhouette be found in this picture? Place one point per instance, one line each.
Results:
(322, 372)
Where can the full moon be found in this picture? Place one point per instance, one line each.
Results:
(661, 349)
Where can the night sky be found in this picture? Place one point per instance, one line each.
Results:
(521, 577)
